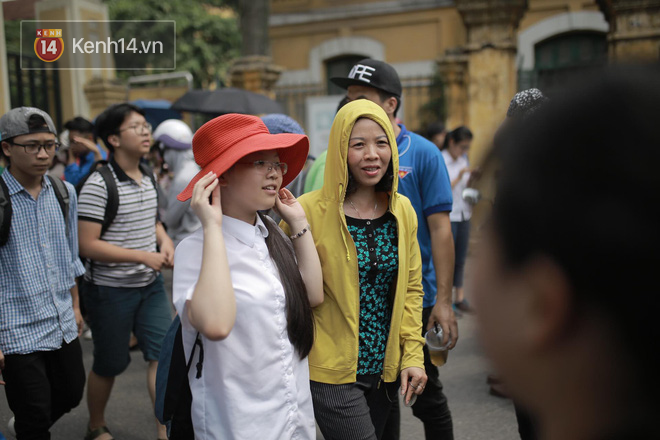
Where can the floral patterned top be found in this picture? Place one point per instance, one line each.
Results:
(378, 263)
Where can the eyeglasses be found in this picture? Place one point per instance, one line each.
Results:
(34, 147)
(265, 167)
(139, 128)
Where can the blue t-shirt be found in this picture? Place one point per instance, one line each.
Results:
(424, 180)
(77, 170)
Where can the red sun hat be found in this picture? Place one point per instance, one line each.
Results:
(223, 141)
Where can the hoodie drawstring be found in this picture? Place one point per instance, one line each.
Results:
(341, 215)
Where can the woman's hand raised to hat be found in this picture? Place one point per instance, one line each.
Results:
(205, 200)
(288, 207)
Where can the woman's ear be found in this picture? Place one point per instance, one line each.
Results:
(222, 180)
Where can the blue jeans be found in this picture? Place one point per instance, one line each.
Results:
(461, 233)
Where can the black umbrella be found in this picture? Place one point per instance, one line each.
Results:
(227, 100)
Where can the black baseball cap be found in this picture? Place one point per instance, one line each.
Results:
(372, 73)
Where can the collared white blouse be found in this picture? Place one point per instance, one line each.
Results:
(253, 384)
(460, 210)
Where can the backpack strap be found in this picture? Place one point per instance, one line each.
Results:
(5, 212)
(112, 204)
(200, 362)
(146, 169)
(62, 194)
(92, 168)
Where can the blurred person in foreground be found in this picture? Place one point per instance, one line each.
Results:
(550, 286)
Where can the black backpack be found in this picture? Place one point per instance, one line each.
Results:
(112, 205)
(173, 396)
(61, 193)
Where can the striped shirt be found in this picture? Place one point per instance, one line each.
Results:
(38, 266)
(134, 227)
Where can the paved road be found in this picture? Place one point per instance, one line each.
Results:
(476, 414)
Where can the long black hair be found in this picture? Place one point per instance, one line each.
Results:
(300, 319)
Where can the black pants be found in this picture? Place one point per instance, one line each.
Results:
(43, 386)
(526, 424)
(431, 406)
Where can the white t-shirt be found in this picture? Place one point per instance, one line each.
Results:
(460, 210)
(253, 384)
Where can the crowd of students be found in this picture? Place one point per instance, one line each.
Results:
(320, 320)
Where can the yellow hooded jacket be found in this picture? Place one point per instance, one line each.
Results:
(334, 356)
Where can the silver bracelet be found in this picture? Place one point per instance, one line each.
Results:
(301, 233)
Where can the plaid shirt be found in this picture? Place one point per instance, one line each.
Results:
(38, 266)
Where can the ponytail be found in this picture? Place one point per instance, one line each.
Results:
(300, 320)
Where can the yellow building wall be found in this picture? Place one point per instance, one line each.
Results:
(539, 10)
(107, 62)
(490, 79)
(284, 6)
(406, 37)
(411, 36)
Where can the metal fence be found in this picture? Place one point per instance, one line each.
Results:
(35, 88)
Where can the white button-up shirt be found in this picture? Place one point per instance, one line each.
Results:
(253, 384)
(460, 210)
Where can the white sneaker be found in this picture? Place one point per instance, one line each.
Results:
(10, 427)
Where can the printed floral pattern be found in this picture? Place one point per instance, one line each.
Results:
(376, 243)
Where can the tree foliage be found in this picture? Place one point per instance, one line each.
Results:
(436, 107)
(207, 34)
(13, 35)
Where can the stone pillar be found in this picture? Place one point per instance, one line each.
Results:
(255, 73)
(634, 29)
(101, 93)
(452, 67)
(5, 104)
(491, 70)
